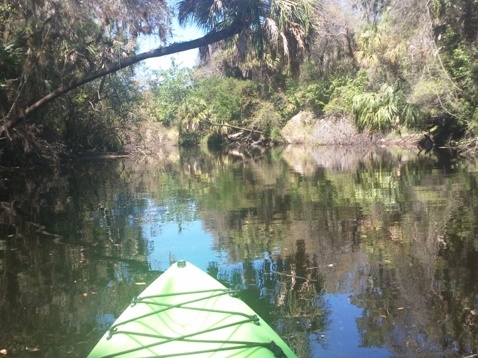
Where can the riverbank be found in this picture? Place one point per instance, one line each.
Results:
(306, 129)
(153, 139)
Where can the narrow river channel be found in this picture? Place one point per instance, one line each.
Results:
(345, 252)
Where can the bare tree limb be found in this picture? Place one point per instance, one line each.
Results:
(235, 127)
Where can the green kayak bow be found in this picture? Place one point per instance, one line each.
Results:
(187, 313)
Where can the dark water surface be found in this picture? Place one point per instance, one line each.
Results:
(346, 253)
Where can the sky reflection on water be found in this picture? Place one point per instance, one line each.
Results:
(342, 339)
(170, 240)
(386, 241)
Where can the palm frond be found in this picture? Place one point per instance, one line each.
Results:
(268, 28)
(272, 31)
(285, 45)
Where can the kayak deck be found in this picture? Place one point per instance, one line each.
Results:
(186, 312)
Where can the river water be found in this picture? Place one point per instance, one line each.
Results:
(345, 252)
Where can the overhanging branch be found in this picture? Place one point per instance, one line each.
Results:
(12, 120)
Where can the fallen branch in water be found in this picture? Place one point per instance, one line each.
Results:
(294, 276)
(235, 127)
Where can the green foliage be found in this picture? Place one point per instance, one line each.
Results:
(270, 34)
(47, 45)
(10, 59)
(472, 124)
(343, 91)
(193, 113)
(282, 104)
(311, 96)
(456, 34)
(171, 89)
(463, 68)
(212, 102)
(269, 120)
(97, 124)
(427, 93)
(230, 100)
(385, 110)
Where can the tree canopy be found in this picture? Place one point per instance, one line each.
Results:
(68, 44)
(388, 63)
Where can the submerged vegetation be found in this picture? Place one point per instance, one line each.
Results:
(68, 71)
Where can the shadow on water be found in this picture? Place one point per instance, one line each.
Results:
(346, 252)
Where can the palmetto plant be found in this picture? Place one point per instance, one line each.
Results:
(67, 44)
(385, 110)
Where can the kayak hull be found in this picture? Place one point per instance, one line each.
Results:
(187, 313)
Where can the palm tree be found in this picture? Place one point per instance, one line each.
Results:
(273, 32)
(262, 28)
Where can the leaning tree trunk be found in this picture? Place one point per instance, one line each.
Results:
(18, 115)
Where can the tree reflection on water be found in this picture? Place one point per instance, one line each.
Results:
(374, 244)
(287, 292)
